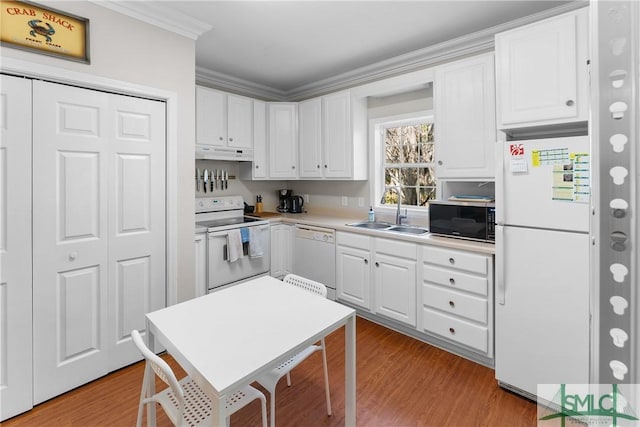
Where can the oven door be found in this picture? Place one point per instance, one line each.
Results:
(221, 272)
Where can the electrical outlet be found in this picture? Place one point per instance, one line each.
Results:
(306, 198)
(361, 202)
(344, 201)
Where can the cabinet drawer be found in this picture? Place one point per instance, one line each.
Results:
(455, 259)
(457, 330)
(455, 279)
(396, 248)
(456, 303)
(359, 241)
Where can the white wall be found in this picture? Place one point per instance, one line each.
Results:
(128, 50)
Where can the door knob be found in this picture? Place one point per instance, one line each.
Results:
(73, 256)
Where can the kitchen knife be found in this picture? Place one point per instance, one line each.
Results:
(212, 180)
(218, 181)
(226, 180)
(206, 179)
(198, 179)
(225, 174)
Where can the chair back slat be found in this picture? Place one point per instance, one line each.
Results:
(306, 284)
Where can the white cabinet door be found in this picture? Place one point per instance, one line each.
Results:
(465, 118)
(259, 165)
(100, 227)
(338, 136)
(395, 287)
(201, 264)
(239, 122)
(211, 117)
(281, 250)
(15, 247)
(310, 125)
(353, 274)
(542, 73)
(283, 140)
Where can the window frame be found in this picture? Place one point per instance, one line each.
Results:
(377, 174)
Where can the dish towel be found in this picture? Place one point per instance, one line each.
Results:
(244, 232)
(234, 245)
(255, 242)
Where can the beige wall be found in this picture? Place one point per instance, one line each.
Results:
(128, 50)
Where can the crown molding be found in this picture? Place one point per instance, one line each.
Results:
(214, 79)
(474, 43)
(155, 13)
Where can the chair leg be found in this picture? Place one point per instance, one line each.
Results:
(326, 377)
(273, 406)
(143, 396)
(263, 406)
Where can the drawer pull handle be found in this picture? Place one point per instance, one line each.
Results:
(377, 264)
(452, 280)
(452, 304)
(452, 331)
(366, 261)
(452, 261)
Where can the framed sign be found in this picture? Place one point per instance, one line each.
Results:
(28, 26)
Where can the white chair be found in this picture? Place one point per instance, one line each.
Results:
(270, 379)
(183, 401)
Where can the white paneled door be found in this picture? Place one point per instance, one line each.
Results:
(15, 246)
(99, 230)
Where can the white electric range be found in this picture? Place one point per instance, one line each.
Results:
(222, 216)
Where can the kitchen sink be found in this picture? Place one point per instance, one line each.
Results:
(407, 229)
(371, 225)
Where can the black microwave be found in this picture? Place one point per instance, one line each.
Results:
(467, 220)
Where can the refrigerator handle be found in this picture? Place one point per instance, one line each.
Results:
(500, 265)
(500, 182)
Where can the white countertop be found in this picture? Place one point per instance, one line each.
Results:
(340, 224)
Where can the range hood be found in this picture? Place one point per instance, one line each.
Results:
(208, 152)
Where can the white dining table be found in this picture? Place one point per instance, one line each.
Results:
(226, 339)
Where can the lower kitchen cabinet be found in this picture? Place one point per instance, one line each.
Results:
(201, 264)
(457, 297)
(395, 280)
(353, 271)
(385, 267)
(281, 249)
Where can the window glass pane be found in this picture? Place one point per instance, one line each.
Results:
(427, 177)
(408, 159)
(426, 153)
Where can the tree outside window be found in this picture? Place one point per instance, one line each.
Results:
(409, 167)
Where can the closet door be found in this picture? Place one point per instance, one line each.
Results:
(15, 246)
(136, 220)
(98, 204)
(70, 247)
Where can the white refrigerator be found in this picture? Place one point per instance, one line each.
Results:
(542, 263)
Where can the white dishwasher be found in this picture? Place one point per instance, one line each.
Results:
(315, 256)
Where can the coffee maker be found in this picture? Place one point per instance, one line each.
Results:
(284, 201)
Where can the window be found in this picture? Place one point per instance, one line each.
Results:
(408, 161)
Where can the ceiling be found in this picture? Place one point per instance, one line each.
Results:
(285, 46)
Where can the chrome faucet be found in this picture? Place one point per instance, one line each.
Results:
(399, 216)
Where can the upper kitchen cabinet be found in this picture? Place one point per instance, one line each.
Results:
(259, 168)
(333, 137)
(542, 74)
(224, 125)
(283, 139)
(465, 128)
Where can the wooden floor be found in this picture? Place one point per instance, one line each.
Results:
(400, 382)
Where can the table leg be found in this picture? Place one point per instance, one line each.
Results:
(150, 376)
(220, 412)
(350, 371)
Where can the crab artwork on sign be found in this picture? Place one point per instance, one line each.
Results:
(37, 29)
